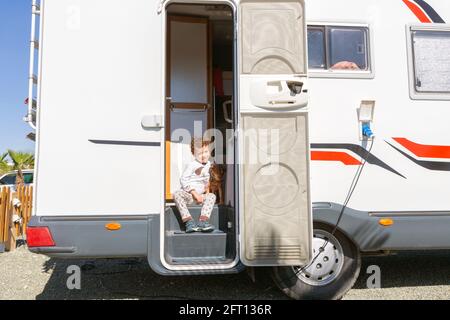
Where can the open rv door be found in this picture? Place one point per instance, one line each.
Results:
(100, 111)
(275, 207)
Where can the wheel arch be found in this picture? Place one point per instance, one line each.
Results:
(359, 227)
(331, 226)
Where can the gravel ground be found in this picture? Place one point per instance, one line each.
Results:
(23, 275)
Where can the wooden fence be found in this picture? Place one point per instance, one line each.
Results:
(15, 213)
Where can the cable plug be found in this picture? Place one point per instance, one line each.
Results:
(367, 131)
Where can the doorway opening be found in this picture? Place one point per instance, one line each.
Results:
(200, 104)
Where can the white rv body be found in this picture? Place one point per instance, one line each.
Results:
(335, 99)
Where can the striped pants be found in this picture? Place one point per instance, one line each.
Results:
(183, 199)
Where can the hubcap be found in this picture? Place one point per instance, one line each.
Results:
(328, 259)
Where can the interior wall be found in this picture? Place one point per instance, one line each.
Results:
(188, 59)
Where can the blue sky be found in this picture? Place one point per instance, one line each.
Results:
(15, 20)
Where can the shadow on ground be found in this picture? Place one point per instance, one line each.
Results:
(133, 279)
(409, 269)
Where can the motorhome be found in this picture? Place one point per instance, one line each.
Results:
(326, 116)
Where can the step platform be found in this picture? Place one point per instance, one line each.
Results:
(197, 247)
(174, 223)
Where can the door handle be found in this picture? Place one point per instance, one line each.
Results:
(279, 94)
(285, 102)
(295, 87)
(173, 108)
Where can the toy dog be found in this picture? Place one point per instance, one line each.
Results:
(217, 172)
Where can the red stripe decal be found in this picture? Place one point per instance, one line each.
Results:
(343, 157)
(420, 14)
(425, 151)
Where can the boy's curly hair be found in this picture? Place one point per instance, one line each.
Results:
(197, 143)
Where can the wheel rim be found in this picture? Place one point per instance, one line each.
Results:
(328, 264)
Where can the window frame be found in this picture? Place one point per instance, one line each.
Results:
(345, 74)
(413, 93)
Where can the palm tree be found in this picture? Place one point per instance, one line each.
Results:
(21, 161)
(4, 165)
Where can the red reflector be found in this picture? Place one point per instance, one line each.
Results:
(39, 237)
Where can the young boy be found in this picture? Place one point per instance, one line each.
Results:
(194, 187)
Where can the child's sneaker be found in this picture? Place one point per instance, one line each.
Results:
(191, 226)
(205, 226)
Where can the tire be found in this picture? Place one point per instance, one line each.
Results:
(324, 279)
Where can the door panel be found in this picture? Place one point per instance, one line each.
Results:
(272, 34)
(274, 138)
(188, 92)
(97, 84)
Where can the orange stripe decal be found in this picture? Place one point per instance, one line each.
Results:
(343, 157)
(425, 151)
(417, 11)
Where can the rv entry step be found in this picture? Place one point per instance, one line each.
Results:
(183, 248)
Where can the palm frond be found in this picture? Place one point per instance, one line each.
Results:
(21, 160)
(4, 165)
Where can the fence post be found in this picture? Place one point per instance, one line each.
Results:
(11, 236)
(2, 214)
(26, 200)
(17, 211)
(10, 230)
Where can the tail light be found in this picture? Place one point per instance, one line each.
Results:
(39, 237)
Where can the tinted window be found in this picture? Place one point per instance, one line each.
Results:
(316, 48)
(338, 48)
(348, 45)
(28, 178)
(9, 179)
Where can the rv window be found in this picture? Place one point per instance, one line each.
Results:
(431, 52)
(338, 48)
(316, 48)
(348, 45)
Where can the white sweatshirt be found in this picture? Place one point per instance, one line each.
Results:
(195, 177)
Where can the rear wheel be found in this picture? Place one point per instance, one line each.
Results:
(334, 269)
